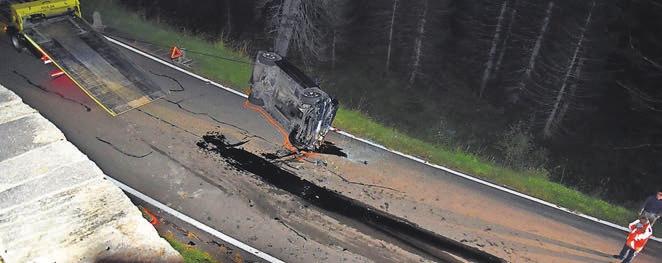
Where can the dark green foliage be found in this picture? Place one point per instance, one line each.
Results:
(607, 140)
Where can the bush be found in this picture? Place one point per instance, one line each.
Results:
(519, 149)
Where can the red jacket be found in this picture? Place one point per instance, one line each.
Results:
(638, 236)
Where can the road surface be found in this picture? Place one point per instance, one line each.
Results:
(155, 150)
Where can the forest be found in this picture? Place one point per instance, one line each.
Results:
(566, 87)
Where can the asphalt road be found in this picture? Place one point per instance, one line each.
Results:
(153, 150)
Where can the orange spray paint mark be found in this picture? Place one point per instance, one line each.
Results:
(286, 140)
(151, 217)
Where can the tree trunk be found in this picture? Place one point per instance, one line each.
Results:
(491, 55)
(572, 90)
(390, 34)
(553, 117)
(286, 19)
(534, 54)
(333, 48)
(228, 18)
(418, 47)
(506, 38)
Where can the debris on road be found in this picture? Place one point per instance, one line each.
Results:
(426, 242)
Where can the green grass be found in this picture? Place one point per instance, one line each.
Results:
(531, 182)
(190, 254)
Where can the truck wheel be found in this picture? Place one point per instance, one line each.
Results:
(269, 58)
(17, 43)
(311, 96)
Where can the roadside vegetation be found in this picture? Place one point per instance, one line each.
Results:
(189, 253)
(530, 180)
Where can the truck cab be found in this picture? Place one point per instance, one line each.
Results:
(19, 16)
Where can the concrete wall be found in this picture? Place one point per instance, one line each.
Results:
(56, 206)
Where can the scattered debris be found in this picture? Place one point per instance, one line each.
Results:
(423, 240)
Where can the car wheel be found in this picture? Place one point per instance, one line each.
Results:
(269, 58)
(293, 137)
(311, 96)
(17, 43)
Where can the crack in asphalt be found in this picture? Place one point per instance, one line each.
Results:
(189, 169)
(87, 108)
(178, 103)
(293, 230)
(167, 122)
(243, 131)
(123, 152)
(181, 87)
(362, 184)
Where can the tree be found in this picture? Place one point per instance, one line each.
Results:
(533, 57)
(303, 24)
(337, 17)
(489, 67)
(418, 45)
(228, 17)
(556, 114)
(506, 39)
(391, 28)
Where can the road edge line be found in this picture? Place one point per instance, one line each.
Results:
(170, 65)
(410, 157)
(194, 222)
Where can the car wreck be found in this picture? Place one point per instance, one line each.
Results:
(293, 100)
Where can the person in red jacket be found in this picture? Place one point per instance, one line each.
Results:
(640, 232)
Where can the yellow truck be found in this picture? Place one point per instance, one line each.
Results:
(56, 31)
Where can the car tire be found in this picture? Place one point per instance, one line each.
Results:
(292, 137)
(311, 96)
(17, 42)
(255, 100)
(269, 58)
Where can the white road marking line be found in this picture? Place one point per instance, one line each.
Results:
(194, 222)
(413, 158)
(483, 182)
(170, 65)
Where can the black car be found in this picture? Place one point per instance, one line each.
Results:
(294, 100)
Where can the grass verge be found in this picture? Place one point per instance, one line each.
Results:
(530, 182)
(190, 254)
(236, 75)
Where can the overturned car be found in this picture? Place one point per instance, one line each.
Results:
(293, 100)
